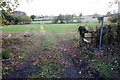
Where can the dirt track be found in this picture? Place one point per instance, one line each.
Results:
(71, 70)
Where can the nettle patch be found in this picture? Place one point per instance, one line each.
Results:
(14, 52)
(104, 69)
(101, 64)
(5, 54)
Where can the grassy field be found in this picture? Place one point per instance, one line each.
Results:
(48, 27)
(36, 27)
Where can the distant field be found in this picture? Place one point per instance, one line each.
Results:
(84, 19)
(93, 20)
(43, 18)
(41, 22)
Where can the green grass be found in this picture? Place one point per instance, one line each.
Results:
(48, 27)
(20, 28)
(60, 27)
(36, 27)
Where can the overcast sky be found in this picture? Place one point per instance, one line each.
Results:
(56, 7)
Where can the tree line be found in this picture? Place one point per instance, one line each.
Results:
(17, 17)
(66, 18)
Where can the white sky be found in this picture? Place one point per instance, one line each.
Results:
(56, 7)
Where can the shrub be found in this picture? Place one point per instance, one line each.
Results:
(19, 19)
(33, 17)
(91, 49)
(11, 40)
(6, 54)
(55, 20)
(90, 55)
(115, 18)
(26, 20)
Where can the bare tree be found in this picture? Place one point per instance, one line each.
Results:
(10, 5)
(114, 2)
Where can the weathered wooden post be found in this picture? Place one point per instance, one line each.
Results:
(82, 30)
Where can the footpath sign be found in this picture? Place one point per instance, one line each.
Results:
(100, 18)
(101, 31)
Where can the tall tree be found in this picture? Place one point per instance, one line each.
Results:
(79, 20)
(108, 13)
(55, 20)
(68, 18)
(61, 18)
(33, 17)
